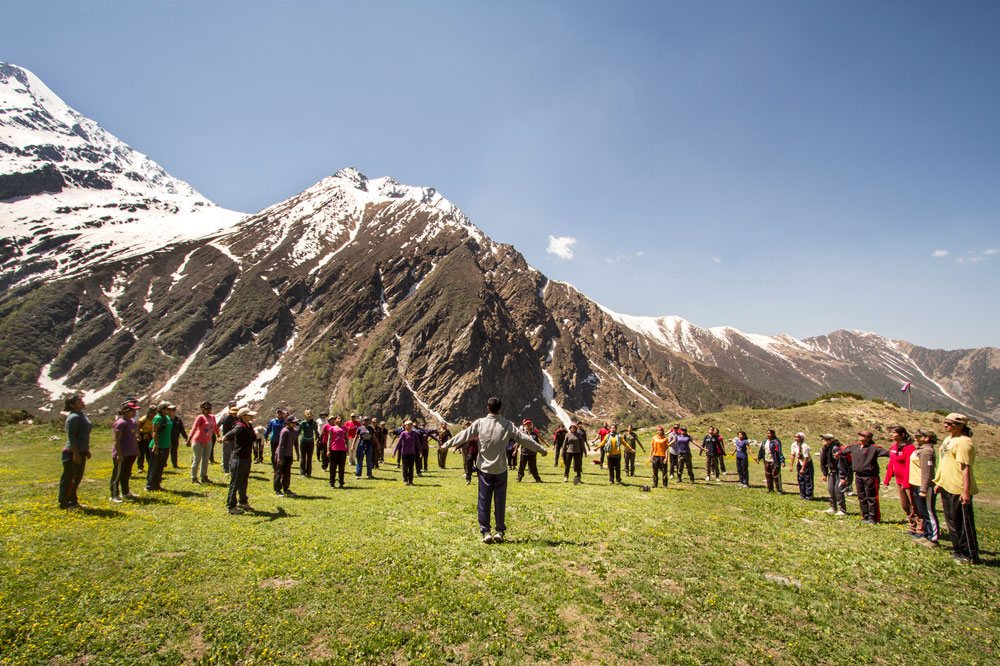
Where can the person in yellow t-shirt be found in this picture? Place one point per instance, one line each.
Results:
(956, 485)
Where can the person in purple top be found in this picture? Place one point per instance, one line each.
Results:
(124, 451)
(284, 455)
(683, 444)
(364, 439)
(407, 446)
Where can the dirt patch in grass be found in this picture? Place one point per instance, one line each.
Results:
(319, 649)
(279, 583)
(196, 647)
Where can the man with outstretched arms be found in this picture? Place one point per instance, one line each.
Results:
(493, 432)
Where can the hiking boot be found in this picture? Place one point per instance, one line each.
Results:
(245, 506)
(498, 538)
(236, 511)
(487, 537)
(830, 510)
(840, 513)
(116, 500)
(131, 496)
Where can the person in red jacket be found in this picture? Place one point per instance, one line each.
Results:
(899, 468)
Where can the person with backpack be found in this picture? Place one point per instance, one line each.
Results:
(711, 444)
(773, 459)
(956, 484)
(866, 475)
(834, 468)
(493, 432)
(364, 447)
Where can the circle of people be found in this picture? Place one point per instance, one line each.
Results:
(492, 446)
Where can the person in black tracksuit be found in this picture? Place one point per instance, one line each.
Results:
(557, 439)
(865, 457)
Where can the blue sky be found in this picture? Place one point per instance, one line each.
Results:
(774, 166)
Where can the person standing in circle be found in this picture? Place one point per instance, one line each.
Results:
(921, 488)
(632, 440)
(284, 456)
(242, 437)
(124, 450)
(658, 456)
(75, 452)
(203, 432)
(741, 451)
(956, 484)
(307, 440)
(493, 432)
(160, 446)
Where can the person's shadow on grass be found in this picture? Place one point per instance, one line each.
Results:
(273, 515)
(185, 493)
(102, 513)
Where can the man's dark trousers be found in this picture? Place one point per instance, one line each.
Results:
(239, 474)
(867, 487)
(492, 488)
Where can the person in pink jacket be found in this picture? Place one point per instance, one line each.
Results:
(899, 469)
(335, 439)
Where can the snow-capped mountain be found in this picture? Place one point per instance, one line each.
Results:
(72, 195)
(360, 293)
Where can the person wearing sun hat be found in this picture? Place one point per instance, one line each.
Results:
(956, 484)
(242, 437)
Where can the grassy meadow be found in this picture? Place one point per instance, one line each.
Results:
(381, 573)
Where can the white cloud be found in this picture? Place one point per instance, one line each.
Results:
(640, 253)
(562, 247)
(717, 260)
(975, 256)
(940, 253)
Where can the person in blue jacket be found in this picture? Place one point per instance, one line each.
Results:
(273, 432)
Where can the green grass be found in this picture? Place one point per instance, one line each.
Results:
(379, 573)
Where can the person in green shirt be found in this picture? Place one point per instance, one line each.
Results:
(632, 439)
(159, 447)
(956, 485)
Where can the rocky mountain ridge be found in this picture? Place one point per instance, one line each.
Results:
(362, 293)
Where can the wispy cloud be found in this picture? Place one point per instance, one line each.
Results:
(975, 256)
(716, 260)
(940, 253)
(620, 257)
(562, 247)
